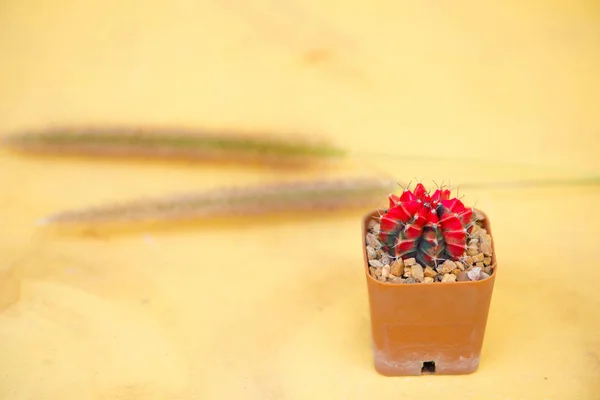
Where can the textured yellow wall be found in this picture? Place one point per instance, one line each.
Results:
(279, 310)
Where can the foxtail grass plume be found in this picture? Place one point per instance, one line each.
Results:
(264, 199)
(164, 143)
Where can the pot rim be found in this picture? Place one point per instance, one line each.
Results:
(364, 230)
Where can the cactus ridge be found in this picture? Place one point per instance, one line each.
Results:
(428, 227)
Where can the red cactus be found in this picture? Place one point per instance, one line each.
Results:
(430, 228)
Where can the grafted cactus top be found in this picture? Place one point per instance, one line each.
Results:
(430, 228)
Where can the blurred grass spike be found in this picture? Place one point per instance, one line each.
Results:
(324, 195)
(593, 180)
(159, 143)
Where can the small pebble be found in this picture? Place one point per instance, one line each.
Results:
(397, 268)
(398, 280)
(417, 272)
(487, 249)
(456, 271)
(448, 266)
(375, 263)
(385, 259)
(410, 261)
(487, 270)
(381, 278)
(484, 275)
(378, 271)
(429, 272)
(428, 279)
(475, 230)
(469, 260)
(462, 276)
(479, 265)
(392, 277)
(449, 278)
(472, 250)
(374, 226)
(486, 244)
(410, 280)
(487, 260)
(478, 215)
(474, 274)
(385, 271)
(372, 241)
(372, 271)
(460, 265)
(473, 243)
(407, 272)
(478, 258)
(371, 253)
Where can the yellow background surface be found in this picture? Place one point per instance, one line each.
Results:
(278, 310)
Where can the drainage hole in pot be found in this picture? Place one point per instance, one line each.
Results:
(428, 367)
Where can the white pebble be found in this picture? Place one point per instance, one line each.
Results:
(385, 272)
(474, 274)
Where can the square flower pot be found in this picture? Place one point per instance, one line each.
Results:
(427, 328)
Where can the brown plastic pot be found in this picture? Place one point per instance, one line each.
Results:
(427, 328)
